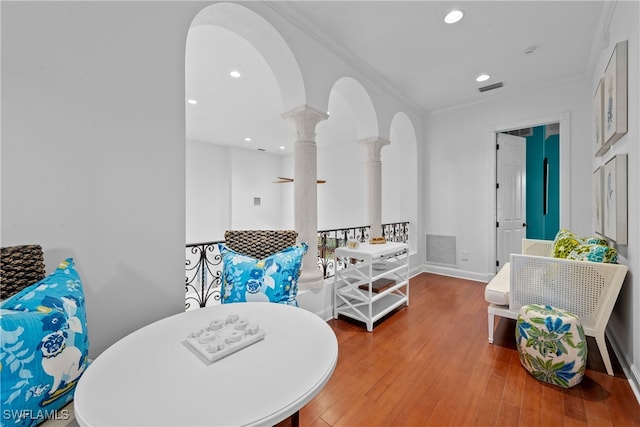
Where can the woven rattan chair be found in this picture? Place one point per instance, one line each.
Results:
(259, 243)
(20, 266)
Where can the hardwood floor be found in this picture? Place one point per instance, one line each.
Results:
(430, 364)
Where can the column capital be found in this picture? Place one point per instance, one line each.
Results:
(305, 120)
(374, 147)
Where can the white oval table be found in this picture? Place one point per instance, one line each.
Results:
(151, 378)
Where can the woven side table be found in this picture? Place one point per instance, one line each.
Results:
(551, 345)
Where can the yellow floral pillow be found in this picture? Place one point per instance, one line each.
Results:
(595, 249)
(564, 243)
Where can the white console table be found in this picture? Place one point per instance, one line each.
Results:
(355, 295)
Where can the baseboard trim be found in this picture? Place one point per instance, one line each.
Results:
(454, 272)
(630, 371)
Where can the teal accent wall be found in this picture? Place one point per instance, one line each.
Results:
(542, 225)
(552, 219)
(535, 157)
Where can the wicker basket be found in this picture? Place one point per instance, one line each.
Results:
(259, 243)
(20, 266)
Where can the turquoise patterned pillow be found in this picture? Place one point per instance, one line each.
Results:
(44, 347)
(595, 249)
(596, 241)
(594, 252)
(273, 279)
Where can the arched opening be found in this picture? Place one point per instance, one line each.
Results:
(234, 125)
(240, 76)
(342, 200)
(400, 177)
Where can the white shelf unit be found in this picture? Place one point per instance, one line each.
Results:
(376, 261)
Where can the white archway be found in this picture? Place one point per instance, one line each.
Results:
(224, 174)
(266, 39)
(268, 44)
(360, 102)
(342, 201)
(400, 176)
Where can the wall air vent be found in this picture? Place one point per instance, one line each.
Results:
(441, 250)
(551, 129)
(491, 87)
(521, 132)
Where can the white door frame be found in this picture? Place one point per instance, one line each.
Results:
(564, 119)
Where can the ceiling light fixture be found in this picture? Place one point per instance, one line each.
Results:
(483, 77)
(247, 139)
(453, 16)
(282, 147)
(235, 74)
(192, 101)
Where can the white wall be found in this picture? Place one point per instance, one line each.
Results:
(341, 162)
(459, 171)
(400, 163)
(93, 150)
(253, 174)
(208, 192)
(221, 183)
(624, 326)
(342, 201)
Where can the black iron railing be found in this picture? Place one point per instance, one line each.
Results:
(203, 265)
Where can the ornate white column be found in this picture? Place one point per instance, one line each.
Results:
(373, 147)
(305, 190)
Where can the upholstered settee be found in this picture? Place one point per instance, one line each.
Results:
(585, 288)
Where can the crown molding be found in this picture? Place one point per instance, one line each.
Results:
(601, 37)
(292, 14)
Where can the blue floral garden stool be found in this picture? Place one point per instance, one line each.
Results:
(551, 344)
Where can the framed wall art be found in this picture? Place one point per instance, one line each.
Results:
(615, 199)
(597, 208)
(599, 146)
(615, 95)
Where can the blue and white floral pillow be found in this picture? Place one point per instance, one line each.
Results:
(44, 347)
(595, 249)
(272, 279)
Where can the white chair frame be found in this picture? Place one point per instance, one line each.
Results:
(587, 289)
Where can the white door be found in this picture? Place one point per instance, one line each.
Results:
(510, 196)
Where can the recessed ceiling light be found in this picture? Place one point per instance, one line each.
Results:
(247, 139)
(192, 101)
(282, 147)
(483, 77)
(453, 16)
(235, 74)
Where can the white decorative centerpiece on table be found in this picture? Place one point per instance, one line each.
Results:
(223, 337)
